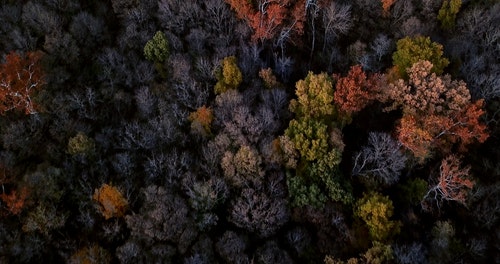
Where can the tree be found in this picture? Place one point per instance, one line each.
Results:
(271, 253)
(437, 112)
(163, 217)
(20, 77)
(427, 93)
(444, 244)
(15, 201)
(157, 49)
(258, 212)
(381, 46)
(303, 193)
(386, 5)
(415, 137)
(231, 247)
(453, 183)
(111, 201)
(375, 210)
(378, 254)
(242, 167)
(314, 96)
(229, 77)
(310, 138)
(269, 78)
(201, 120)
(43, 219)
(80, 144)
(89, 255)
(336, 21)
(356, 90)
(268, 18)
(410, 254)
(448, 13)
(380, 161)
(325, 172)
(411, 50)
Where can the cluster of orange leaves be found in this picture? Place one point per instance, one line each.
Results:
(454, 182)
(15, 201)
(437, 112)
(111, 201)
(386, 5)
(268, 17)
(355, 91)
(20, 77)
(268, 78)
(203, 117)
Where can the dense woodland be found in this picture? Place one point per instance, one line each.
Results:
(258, 131)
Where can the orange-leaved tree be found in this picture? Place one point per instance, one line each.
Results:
(386, 5)
(437, 112)
(15, 201)
(453, 184)
(356, 90)
(20, 77)
(111, 201)
(201, 120)
(267, 18)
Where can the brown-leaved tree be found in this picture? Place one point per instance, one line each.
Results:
(20, 77)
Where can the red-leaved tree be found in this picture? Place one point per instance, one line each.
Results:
(356, 90)
(20, 77)
(268, 18)
(14, 202)
(453, 184)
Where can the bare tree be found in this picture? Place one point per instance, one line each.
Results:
(381, 161)
(381, 46)
(336, 21)
(145, 101)
(271, 253)
(40, 19)
(258, 213)
(410, 254)
(231, 247)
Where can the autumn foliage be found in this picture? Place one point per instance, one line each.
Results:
(111, 201)
(386, 5)
(411, 50)
(267, 18)
(437, 112)
(356, 90)
(229, 76)
(15, 201)
(453, 184)
(314, 96)
(20, 77)
(201, 119)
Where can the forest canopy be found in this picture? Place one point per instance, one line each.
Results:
(262, 131)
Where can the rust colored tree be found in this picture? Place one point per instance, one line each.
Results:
(15, 201)
(268, 18)
(20, 77)
(437, 112)
(111, 201)
(453, 184)
(356, 90)
(386, 5)
(201, 120)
